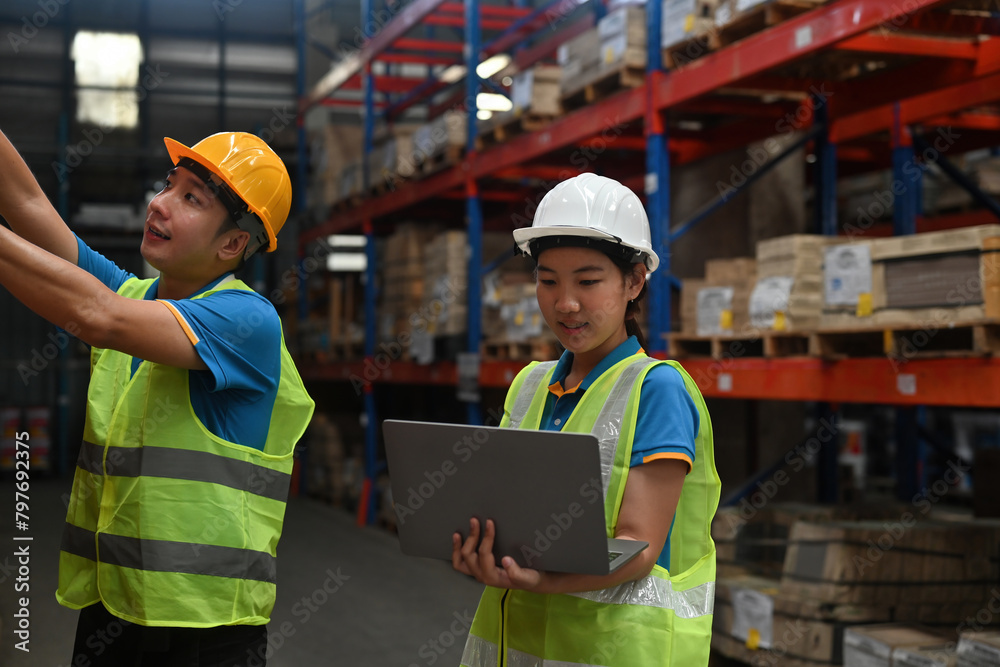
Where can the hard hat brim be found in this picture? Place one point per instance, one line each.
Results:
(177, 150)
(524, 236)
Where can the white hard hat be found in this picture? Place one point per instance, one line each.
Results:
(594, 207)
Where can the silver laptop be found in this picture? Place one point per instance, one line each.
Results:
(541, 488)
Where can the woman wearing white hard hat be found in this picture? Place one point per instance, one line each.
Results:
(591, 244)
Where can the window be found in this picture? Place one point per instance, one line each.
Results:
(107, 72)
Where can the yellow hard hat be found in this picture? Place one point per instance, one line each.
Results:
(248, 167)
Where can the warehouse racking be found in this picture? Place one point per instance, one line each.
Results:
(932, 73)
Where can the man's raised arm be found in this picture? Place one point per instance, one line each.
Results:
(26, 208)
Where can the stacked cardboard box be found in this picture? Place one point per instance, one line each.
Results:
(623, 38)
(979, 649)
(335, 148)
(403, 280)
(686, 19)
(847, 285)
(446, 268)
(690, 288)
(932, 572)
(618, 42)
(938, 278)
(536, 91)
(788, 295)
(577, 56)
(880, 645)
(723, 305)
(445, 135)
(756, 623)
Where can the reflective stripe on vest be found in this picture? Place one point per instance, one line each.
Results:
(656, 592)
(185, 464)
(527, 393)
(480, 652)
(167, 556)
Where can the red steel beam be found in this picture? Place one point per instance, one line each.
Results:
(958, 382)
(546, 19)
(890, 86)
(410, 44)
(406, 194)
(955, 24)
(496, 11)
(608, 118)
(459, 22)
(383, 38)
(421, 59)
(918, 109)
(781, 44)
(909, 45)
(968, 121)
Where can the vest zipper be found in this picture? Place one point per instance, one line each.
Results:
(502, 654)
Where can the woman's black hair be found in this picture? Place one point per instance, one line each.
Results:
(634, 307)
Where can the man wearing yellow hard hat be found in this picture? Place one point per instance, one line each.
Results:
(193, 410)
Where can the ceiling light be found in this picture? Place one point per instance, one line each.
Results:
(491, 66)
(493, 102)
(484, 114)
(452, 74)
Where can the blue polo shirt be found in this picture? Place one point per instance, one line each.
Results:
(667, 422)
(236, 333)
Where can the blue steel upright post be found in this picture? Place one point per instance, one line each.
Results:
(657, 186)
(825, 178)
(366, 513)
(473, 206)
(909, 448)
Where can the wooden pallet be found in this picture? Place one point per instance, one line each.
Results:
(681, 54)
(600, 84)
(447, 158)
(539, 349)
(349, 202)
(909, 341)
(346, 350)
(743, 25)
(503, 127)
(769, 344)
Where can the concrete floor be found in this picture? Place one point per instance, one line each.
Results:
(389, 610)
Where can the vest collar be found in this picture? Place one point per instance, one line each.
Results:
(154, 287)
(626, 349)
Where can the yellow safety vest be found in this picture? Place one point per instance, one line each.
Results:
(169, 524)
(661, 619)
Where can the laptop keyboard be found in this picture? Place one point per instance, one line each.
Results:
(613, 555)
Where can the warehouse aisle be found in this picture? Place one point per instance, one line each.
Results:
(346, 595)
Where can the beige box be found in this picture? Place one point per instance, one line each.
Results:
(873, 645)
